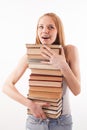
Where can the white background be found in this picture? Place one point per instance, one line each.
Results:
(18, 19)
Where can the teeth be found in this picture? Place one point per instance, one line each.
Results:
(45, 37)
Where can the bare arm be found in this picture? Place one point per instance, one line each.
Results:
(9, 85)
(10, 89)
(70, 71)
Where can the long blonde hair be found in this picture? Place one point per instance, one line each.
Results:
(60, 40)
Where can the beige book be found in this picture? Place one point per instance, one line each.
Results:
(46, 72)
(39, 65)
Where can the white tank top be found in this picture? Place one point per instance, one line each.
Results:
(66, 103)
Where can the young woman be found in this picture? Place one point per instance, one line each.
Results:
(49, 31)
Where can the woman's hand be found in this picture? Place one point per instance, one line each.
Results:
(52, 57)
(36, 109)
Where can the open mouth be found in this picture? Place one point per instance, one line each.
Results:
(45, 37)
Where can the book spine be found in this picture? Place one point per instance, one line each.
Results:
(46, 89)
(45, 77)
(43, 83)
(39, 94)
(46, 72)
(38, 65)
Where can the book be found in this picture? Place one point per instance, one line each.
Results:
(38, 46)
(45, 83)
(49, 115)
(45, 89)
(56, 100)
(37, 51)
(40, 65)
(45, 77)
(46, 72)
(54, 116)
(52, 109)
(33, 56)
(52, 102)
(42, 94)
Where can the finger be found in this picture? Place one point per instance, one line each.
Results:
(46, 104)
(51, 51)
(43, 116)
(46, 62)
(46, 52)
(48, 49)
(45, 56)
(40, 114)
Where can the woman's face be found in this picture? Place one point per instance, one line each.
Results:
(47, 31)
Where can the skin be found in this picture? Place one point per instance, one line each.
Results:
(47, 32)
(67, 62)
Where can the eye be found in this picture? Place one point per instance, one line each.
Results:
(50, 27)
(40, 27)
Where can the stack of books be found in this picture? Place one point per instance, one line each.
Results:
(45, 81)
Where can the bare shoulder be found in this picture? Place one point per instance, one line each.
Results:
(18, 70)
(24, 58)
(23, 61)
(71, 52)
(70, 47)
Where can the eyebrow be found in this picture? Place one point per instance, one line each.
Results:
(47, 25)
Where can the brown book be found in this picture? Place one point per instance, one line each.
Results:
(46, 72)
(45, 89)
(38, 46)
(52, 102)
(33, 56)
(56, 100)
(40, 77)
(42, 94)
(52, 107)
(45, 83)
(53, 110)
(50, 113)
(54, 116)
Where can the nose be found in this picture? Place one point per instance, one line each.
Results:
(45, 29)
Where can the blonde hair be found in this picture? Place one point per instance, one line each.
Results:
(60, 40)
